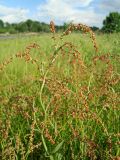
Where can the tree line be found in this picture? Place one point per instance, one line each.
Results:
(110, 24)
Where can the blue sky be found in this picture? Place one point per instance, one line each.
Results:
(90, 12)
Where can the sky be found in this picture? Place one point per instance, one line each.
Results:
(89, 12)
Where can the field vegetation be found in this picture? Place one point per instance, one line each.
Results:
(59, 96)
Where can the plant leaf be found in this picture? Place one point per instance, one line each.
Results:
(43, 140)
(57, 147)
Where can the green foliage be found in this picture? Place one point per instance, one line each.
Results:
(112, 23)
(3, 30)
(1, 24)
(27, 26)
(95, 28)
(32, 26)
(21, 27)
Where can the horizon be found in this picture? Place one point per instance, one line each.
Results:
(89, 12)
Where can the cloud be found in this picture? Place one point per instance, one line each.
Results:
(82, 3)
(78, 11)
(90, 12)
(9, 14)
(110, 5)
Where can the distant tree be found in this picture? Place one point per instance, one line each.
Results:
(1, 24)
(94, 28)
(21, 27)
(29, 23)
(32, 26)
(36, 27)
(65, 26)
(59, 28)
(112, 23)
(45, 27)
(7, 25)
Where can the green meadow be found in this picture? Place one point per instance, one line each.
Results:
(60, 99)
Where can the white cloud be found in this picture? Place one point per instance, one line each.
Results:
(110, 5)
(82, 3)
(10, 15)
(90, 12)
(77, 11)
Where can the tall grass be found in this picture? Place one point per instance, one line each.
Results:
(59, 97)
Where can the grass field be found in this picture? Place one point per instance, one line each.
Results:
(60, 103)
